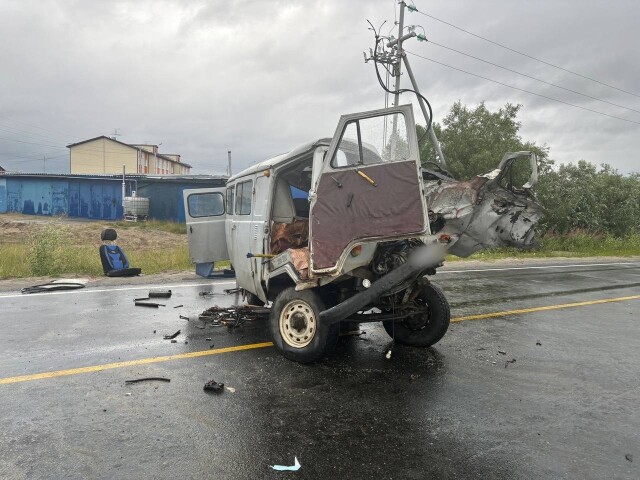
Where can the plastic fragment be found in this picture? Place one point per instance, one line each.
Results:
(292, 468)
(213, 386)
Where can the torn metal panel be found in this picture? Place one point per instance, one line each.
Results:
(486, 211)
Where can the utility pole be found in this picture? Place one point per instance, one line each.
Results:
(44, 162)
(229, 165)
(396, 58)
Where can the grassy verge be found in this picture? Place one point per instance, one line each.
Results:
(577, 244)
(48, 252)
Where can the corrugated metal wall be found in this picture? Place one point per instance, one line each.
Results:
(93, 198)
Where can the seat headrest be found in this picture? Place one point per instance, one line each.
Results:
(108, 235)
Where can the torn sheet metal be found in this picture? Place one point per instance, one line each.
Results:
(482, 213)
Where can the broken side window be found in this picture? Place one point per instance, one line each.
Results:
(373, 140)
(244, 192)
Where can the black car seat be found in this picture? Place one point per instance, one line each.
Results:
(114, 261)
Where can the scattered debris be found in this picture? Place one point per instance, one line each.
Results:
(213, 386)
(629, 457)
(232, 291)
(178, 306)
(128, 394)
(211, 346)
(493, 363)
(208, 339)
(154, 331)
(209, 294)
(413, 377)
(538, 343)
(233, 316)
(61, 284)
(480, 349)
(388, 354)
(506, 364)
(502, 352)
(174, 341)
(104, 409)
(159, 293)
(140, 302)
(184, 318)
(293, 468)
(171, 337)
(231, 389)
(148, 379)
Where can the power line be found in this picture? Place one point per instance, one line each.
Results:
(412, 8)
(533, 78)
(523, 90)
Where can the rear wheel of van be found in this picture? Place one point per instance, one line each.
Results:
(296, 328)
(425, 329)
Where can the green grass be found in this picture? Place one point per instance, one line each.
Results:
(577, 244)
(46, 254)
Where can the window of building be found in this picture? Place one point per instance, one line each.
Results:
(244, 192)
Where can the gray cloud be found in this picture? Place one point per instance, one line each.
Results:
(259, 77)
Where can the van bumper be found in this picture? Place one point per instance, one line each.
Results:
(421, 260)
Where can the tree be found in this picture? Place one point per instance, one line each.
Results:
(583, 197)
(473, 141)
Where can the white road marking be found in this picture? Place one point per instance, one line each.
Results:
(118, 289)
(539, 267)
(213, 282)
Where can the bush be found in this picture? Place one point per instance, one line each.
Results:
(45, 246)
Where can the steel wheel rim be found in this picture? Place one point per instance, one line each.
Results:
(298, 324)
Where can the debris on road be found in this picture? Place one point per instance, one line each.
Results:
(233, 316)
(147, 379)
(174, 341)
(213, 386)
(159, 293)
(178, 306)
(208, 339)
(629, 457)
(172, 336)
(56, 285)
(211, 346)
(209, 294)
(184, 318)
(292, 468)
(128, 394)
(502, 352)
(232, 291)
(538, 343)
(388, 354)
(141, 303)
(413, 377)
(506, 364)
(231, 389)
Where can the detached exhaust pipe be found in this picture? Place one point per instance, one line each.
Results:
(423, 258)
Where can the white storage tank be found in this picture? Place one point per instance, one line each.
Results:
(136, 207)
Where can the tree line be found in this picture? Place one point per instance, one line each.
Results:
(576, 197)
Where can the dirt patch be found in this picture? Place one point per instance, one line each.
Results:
(16, 228)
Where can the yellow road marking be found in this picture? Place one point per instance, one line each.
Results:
(203, 353)
(541, 309)
(131, 363)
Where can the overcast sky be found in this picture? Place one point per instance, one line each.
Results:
(260, 77)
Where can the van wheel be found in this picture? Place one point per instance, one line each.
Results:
(296, 328)
(425, 329)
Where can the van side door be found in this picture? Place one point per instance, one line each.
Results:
(205, 214)
(370, 186)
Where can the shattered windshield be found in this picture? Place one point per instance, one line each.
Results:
(373, 140)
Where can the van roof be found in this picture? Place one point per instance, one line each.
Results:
(282, 158)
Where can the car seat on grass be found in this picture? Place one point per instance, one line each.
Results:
(114, 261)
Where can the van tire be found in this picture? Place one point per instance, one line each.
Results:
(296, 328)
(427, 329)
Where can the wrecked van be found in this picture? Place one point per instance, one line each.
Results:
(342, 230)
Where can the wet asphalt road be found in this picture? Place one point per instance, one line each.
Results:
(567, 408)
